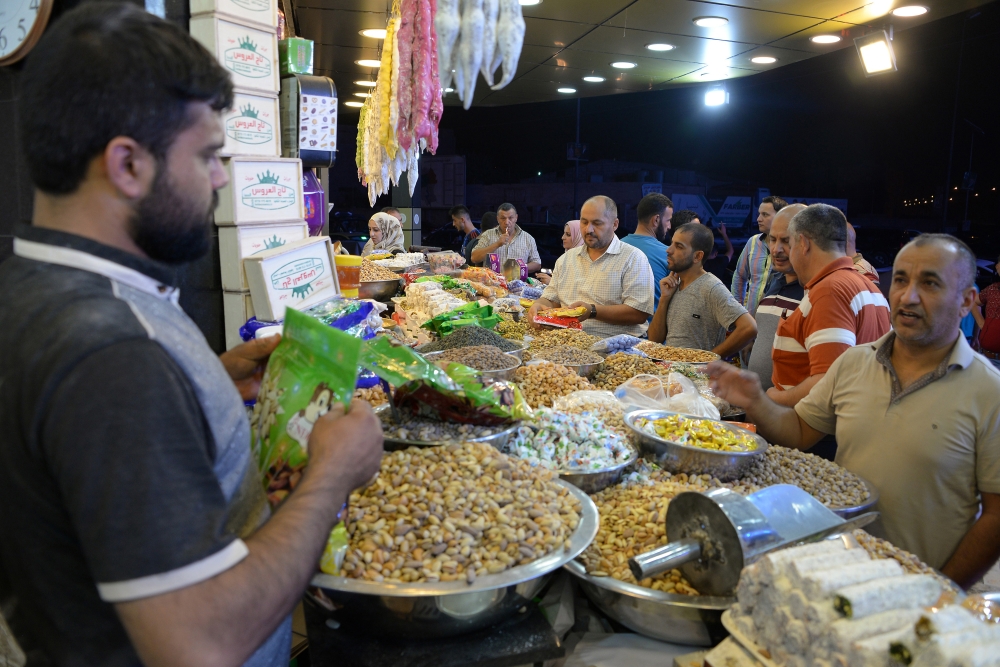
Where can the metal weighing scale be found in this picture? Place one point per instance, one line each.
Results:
(711, 536)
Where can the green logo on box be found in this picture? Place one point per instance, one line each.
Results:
(247, 128)
(267, 194)
(245, 61)
(298, 276)
(253, 5)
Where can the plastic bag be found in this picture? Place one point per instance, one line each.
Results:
(466, 315)
(507, 305)
(443, 262)
(619, 343)
(647, 392)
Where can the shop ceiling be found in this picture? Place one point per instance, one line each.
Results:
(567, 40)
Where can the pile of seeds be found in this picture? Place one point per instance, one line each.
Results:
(619, 368)
(469, 336)
(480, 357)
(455, 513)
(373, 272)
(415, 429)
(542, 383)
(667, 353)
(568, 356)
(374, 395)
(512, 330)
(828, 482)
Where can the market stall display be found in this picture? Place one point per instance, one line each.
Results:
(544, 382)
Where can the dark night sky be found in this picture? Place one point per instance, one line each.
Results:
(814, 128)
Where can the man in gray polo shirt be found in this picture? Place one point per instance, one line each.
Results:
(696, 310)
(915, 413)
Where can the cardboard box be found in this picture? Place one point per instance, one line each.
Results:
(261, 190)
(297, 275)
(253, 126)
(249, 52)
(238, 243)
(237, 308)
(263, 13)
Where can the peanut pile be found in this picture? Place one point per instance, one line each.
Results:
(373, 272)
(619, 368)
(455, 513)
(374, 395)
(542, 383)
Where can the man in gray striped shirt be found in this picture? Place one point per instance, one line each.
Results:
(508, 241)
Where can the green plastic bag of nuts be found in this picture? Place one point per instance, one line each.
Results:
(314, 367)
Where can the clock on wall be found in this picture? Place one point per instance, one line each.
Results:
(21, 25)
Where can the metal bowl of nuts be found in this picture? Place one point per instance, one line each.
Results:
(695, 620)
(448, 608)
(519, 353)
(491, 363)
(592, 481)
(403, 431)
(724, 464)
(848, 513)
(379, 290)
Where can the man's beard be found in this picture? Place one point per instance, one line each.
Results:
(682, 265)
(169, 228)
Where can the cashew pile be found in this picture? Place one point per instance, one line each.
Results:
(619, 368)
(542, 383)
(455, 513)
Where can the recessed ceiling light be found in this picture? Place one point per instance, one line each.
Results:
(764, 60)
(529, 2)
(366, 84)
(825, 39)
(449, 90)
(375, 33)
(710, 21)
(660, 47)
(353, 104)
(623, 64)
(369, 63)
(567, 90)
(909, 10)
(593, 79)
(362, 94)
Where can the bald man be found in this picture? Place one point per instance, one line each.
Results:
(861, 265)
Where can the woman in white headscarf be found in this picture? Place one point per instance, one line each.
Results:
(386, 235)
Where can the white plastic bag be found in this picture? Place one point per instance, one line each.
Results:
(619, 343)
(647, 392)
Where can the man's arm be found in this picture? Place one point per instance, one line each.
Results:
(245, 364)
(613, 314)
(742, 273)
(222, 621)
(482, 249)
(775, 423)
(745, 331)
(980, 548)
(729, 251)
(534, 262)
(977, 312)
(657, 331)
(790, 397)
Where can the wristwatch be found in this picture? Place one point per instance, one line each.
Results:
(593, 310)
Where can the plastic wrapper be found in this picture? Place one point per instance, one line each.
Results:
(443, 262)
(647, 392)
(507, 305)
(454, 393)
(335, 550)
(619, 343)
(531, 293)
(485, 276)
(471, 314)
(560, 322)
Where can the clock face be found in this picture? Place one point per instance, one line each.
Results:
(21, 24)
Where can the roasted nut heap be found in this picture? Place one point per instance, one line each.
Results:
(542, 383)
(454, 514)
(560, 338)
(480, 357)
(619, 368)
(374, 395)
(510, 329)
(373, 272)
(569, 356)
(667, 353)
(416, 429)
(828, 482)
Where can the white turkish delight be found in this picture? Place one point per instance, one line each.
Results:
(861, 600)
(819, 585)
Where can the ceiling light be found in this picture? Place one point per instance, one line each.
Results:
(909, 10)
(660, 47)
(369, 63)
(567, 90)
(353, 104)
(362, 94)
(623, 64)
(716, 96)
(375, 33)
(449, 90)
(764, 60)
(366, 84)
(876, 53)
(528, 2)
(593, 79)
(710, 21)
(825, 39)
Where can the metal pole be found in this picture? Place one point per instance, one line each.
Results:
(954, 121)
(576, 175)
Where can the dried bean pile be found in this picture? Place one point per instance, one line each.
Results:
(667, 353)
(469, 336)
(542, 383)
(480, 357)
(455, 513)
(828, 482)
(618, 368)
(417, 429)
(569, 356)
(373, 272)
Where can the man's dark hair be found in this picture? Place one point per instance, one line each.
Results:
(488, 221)
(506, 206)
(702, 238)
(104, 70)
(652, 204)
(682, 218)
(967, 257)
(776, 202)
(824, 225)
(390, 209)
(459, 210)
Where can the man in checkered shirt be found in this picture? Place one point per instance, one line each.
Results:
(507, 241)
(611, 279)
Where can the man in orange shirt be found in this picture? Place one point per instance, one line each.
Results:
(841, 308)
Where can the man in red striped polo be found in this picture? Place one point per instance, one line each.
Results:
(841, 308)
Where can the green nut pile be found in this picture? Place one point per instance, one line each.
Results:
(455, 513)
(826, 481)
(512, 330)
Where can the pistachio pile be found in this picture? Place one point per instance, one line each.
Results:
(544, 382)
(559, 338)
(455, 513)
(668, 353)
(826, 481)
(619, 368)
(569, 356)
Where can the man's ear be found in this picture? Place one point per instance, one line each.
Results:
(129, 167)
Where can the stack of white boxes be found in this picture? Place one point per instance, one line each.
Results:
(262, 207)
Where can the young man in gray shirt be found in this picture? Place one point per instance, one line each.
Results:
(696, 310)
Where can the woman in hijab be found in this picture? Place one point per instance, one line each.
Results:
(571, 238)
(386, 235)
